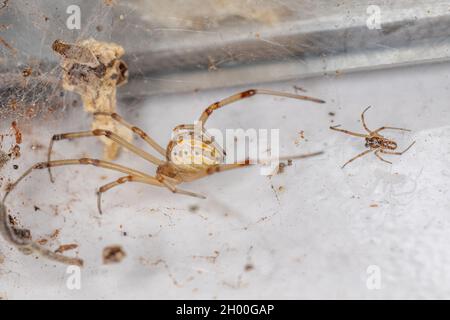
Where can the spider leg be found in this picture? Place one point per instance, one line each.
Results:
(174, 189)
(25, 243)
(122, 180)
(379, 157)
(391, 128)
(363, 120)
(398, 153)
(147, 180)
(100, 132)
(247, 162)
(249, 93)
(22, 240)
(348, 132)
(184, 127)
(82, 161)
(356, 157)
(136, 130)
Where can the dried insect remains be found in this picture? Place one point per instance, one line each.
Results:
(374, 141)
(176, 168)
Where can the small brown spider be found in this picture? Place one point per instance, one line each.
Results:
(176, 168)
(374, 141)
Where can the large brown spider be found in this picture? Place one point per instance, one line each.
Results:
(176, 168)
(374, 141)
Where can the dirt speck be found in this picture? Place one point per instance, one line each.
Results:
(14, 152)
(8, 46)
(66, 247)
(4, 4)
(55, 234)
(42, 241)
(17, 132)
(4, 158)
(113, 254)
(249, 267)
(37, 146)
(297, 88)
(300, 137)
(211, 259)
(27, 72)
(193, 208)
(12, 220)
(374, 205)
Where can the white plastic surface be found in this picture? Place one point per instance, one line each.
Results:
(312, 235)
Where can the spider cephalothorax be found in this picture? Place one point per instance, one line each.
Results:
(191, 154)
(374, 141)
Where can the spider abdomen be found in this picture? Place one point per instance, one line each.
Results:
(376, 142)
(192, 152)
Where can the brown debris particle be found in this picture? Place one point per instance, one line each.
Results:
(4, 4)
(14, 152)
(12, 220)
(113, 254)
(249, 267)
(36, 146)
(66, 247)
(27, 72)
(42, 241)
(94, 70)
(55, 234)
(23, 234)
(4, 158)
(282, 166)
(193, 208)
(17, 133)
(374, 205)
(300, 137)
(211, 259)
(12, 104)
(9, 187)
(7, 45)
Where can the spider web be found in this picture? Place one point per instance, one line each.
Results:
(169, 47)
(190, 45)
(30, 77)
